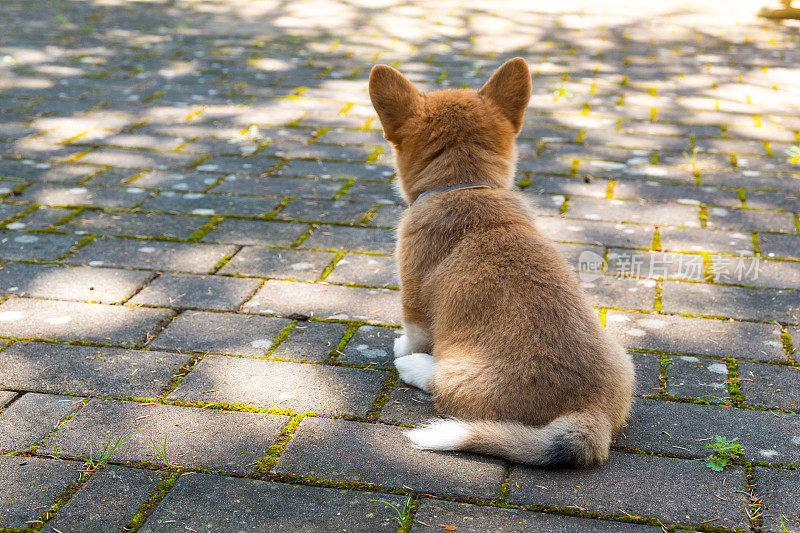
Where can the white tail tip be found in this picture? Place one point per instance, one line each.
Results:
(448, 434)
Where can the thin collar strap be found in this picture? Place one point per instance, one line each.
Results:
(474, 185)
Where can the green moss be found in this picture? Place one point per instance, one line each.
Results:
(273, 453)
(306, 234)
(380, 401)
(203, 230)
(329, 268)
(62, 499)
(149, 505)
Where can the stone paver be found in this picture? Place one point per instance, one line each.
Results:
(188, 291)
(778, 488)
(310, 341)
(278, 263)
(35, 246)
(277, 384)
(692, 377)
(31, 418)
(49, 367)
(771, 386)
(352, 239)
(208, 438)
(141, 224)
(202, 502)
(370, 345)
(362, 269)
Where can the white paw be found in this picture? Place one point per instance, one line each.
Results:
(401, 346)
(416, 369)
(449, 434)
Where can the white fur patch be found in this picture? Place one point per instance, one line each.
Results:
(401, 346)
(449, 434)
(415, 339)
(416, 369)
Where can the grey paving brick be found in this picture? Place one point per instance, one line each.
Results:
(591, 232)
(371, 453)
(278, 384)
(236, 165)
(104, 285)
(220, 333)
(706, 379)
(755, 271)
(688, 335)
(42, 218)
(387, 216)
(775, 245)
(139, 159)
(176, 181)
(374, 191)
(736, 302)
(226, 504)
(35, 246)
(208, 438)
(563, 185)
(352, 239)
(789, 201)
(620, 292)
(779, 506)
(189, 291)
(686, 428)
(679, 491)
(682, 194)
(310, 341)
(475, 519)
(574, 252)
(703, 240)
(655, 264)
(47, 172)
(326, 301)
(370, 345)
(774, 386)
(90, 370)
(10, 210)
(196, 203)
(750, 220)
(259, 232)
(329, 169)
(648, 369)
(279, 187)
(143, 224)
(77, 321)
(106, 502)
(374, 270)
(622, 211)
(30, 486)
(83, 196)
(197, 258)
(278, 263)
(29, 419)
(325, 210)
(6, 397)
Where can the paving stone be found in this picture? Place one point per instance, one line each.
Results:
(581, 256)
(387, 216)
(259, 232)
(688, 335)
(750, 220)
(277, 384)
(77, 321)
(702, 240)
(139, 159)
(279, 187)
(591, 232)
(771, 386)
(89, 370)
(686, 428)
(742, 303)
(206, 438)
(370, 345)
(197, 258)
(621, 211)
(562, 185)
(176, 181)
(310, 341)
(35, 246)
(6, 397)
(679, 491)
(9, 210)
(42, 218)
(706, 379)
(199, 502)
(648, 370)
(83, 196)
(755, 271)
(30, 486)
(775, 245)
(374, 191)
(773, 200)
(373, 270)
(221, 333)
(351, 239)
(619, 292)
(779, 506)
(325, 210)
(477, 519)
(655, 264)
(196, 203)
(328, 169)
(113, 177)
(28, 420)
(326, 301)
(378, 454)
(278, 263)
(682, 194)
(188, 291)
(104, 285)
(143, 224)
(106, 502)
(235, 165)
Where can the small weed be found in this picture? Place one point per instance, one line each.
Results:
(664, 363)
(108, 450)
(794, 154)
(396, 508)
(783, 526)
(724, 450)
(562, 91)
(161, 450)
(692, 160)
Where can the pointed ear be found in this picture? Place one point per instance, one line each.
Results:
(509, 89)
(394, 98)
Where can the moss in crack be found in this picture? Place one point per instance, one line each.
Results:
(656, 244)
(78, 406)
(786, 339)
(306, 234)
(408, 513)
(337, 351)
(329, 268)
(273, 453)
(180, 374)
(658, 303)
(149, 505)
(280, 337)
(734, 384)
(203, 230)
(61, 500)
(83, 242)
(386, 391)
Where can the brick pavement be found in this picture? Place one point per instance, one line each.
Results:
(196, 231)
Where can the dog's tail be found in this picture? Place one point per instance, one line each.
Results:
(577, 439)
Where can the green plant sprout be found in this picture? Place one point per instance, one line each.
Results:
(108, 450)
(724, 450)
(562, 91)
(161, 450)
(396, 508)
(794, 154)
(783, 526)
(692, 160)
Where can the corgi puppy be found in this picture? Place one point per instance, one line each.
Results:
(496, 325)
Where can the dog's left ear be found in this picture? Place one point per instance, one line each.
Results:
(509, 89)
(394, 98)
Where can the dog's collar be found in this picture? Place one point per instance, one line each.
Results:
(473, 185)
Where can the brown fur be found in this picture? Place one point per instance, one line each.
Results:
(519, 353)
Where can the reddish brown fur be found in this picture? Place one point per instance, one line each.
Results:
(514, 337)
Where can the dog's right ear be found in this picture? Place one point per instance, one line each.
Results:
(394, 98)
